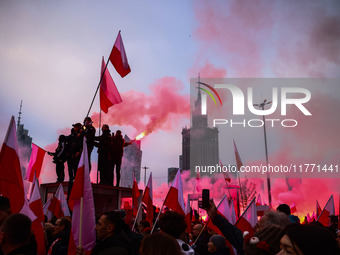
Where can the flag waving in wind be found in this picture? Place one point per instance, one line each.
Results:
(174, 199)
(238, 158)
(11, 184)
(147, 199)
(108, 93)
(35, 164)
(118, 57)
(326, 212)
(58, 205)
(248, 219)
(135, 196)
(82, 206)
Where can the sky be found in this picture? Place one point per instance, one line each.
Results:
(50, 57)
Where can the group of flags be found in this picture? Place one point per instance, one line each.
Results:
(81, 199)
(109, 94)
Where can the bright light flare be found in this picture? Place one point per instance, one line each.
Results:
(204, 217)
(140, 136)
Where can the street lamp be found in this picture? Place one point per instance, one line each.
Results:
(265, 145)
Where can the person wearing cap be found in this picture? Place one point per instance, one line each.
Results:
(118, 144)
(103, 143)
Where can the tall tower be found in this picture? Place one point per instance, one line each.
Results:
(199, 142)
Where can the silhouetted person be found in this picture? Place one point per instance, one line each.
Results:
(118, 144)
(59, 157)
(103, 143)
(89, 132)
(15, 234)
(75, 145)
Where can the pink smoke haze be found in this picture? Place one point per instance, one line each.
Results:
(160, 110)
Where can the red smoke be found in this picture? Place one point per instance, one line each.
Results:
(160, 110)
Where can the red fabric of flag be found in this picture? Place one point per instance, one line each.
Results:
(11, 184)
(326, 212)
(174, 199)
(135, 196)
(118, 57)
(35, 163)
(248, 219)
(109, 94)
(148, 200)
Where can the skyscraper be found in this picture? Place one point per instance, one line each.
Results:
(199, 142)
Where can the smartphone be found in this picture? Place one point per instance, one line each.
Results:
(205, 198)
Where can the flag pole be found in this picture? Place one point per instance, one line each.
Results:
(134, 223)
(81, 221)
(100, 81)
(160, 211)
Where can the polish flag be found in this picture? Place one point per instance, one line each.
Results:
(228, 212)
(188, 215)
(238, 158)
(58, 205)
(326, 212)
(248, 219)
(174, 199)
(35, 163)
(309, 219)
(148, 200)
(118, 57)
(108, 94)
(11, 183)
(225, 174)
(318, 209)
(293, 208)
(47, 212)
(232, 213)
(135, 196)
(260, 208)
(81, 203)
(313, 217)
(37, 225)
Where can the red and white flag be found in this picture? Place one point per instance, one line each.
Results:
(326, 212)
(174, 199)
(248, 219)
(148, 200)
(37, 225)
(11, 183)
(313, 217)
(82, 206)
(309, 219)
(225, 174)
(318, 209)
(238, 158)
(35, 163)
(293, 208)
(188, 215)
(108, 94)
(47, 212)
(135, 196)
(58, 205)
(118, 57)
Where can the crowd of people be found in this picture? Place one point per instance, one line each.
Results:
(275, 233)
(110, 151)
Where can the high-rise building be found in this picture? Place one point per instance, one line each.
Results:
(24, 143)
(172, 171)
(131, 163)
(199, 142)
